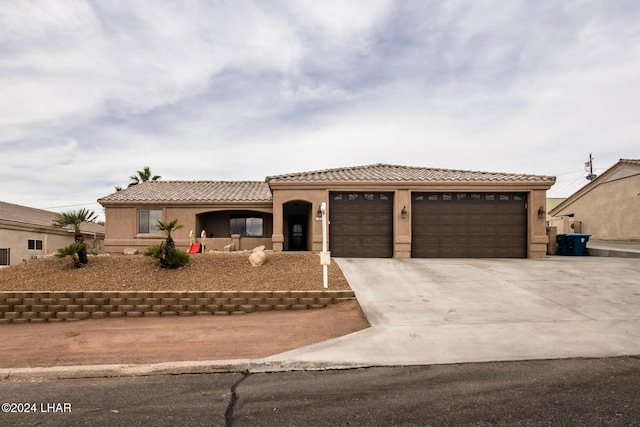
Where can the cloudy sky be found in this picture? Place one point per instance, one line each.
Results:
(92, 91)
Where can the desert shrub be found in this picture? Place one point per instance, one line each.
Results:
(155, 251)
(75, 251)
(173, 259)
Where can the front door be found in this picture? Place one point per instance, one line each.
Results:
(297, 232)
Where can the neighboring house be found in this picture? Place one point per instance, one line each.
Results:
(608, 207)
(374, 211)
(552, 202)
(27, 233)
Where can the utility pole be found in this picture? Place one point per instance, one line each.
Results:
(589, 168)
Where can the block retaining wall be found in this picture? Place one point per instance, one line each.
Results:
(38, 307)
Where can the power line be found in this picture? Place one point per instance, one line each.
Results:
(566, 187)
(71, 206)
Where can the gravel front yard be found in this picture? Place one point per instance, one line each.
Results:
(205, 272)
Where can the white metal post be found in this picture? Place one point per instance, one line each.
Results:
(325, 273)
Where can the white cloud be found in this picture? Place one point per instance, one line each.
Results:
(94, 91)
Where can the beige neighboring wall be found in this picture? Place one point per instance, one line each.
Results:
(607, 208)
(19, 224)
(16, 240)
(611, 211)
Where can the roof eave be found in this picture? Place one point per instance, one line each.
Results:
(48, 229)
(129, 203)
(522, 185)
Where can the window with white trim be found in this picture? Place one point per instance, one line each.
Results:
(34, 244)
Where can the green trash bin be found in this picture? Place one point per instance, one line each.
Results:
(577, 243)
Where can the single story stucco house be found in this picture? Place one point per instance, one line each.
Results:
(378, 210)
(608, 207)
(27, 233)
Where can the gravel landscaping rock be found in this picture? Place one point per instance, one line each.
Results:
(205, 272)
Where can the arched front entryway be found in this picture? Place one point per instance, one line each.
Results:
(297, 225)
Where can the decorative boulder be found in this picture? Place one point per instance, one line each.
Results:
(130, 251)
(230, 247)
(258, 257)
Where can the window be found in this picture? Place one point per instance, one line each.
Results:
(5, 256)
(369, 196)
(447, 196)
(247, 226)
(353, 196)
(147, 221)
(34, 245)
(461, 196)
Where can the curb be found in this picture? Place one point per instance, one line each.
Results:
(107, 371)
(259, 367)
(168, 368)
(617, 253)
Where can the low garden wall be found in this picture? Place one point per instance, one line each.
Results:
(23, 307)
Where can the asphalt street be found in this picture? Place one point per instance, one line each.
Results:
(586, 392)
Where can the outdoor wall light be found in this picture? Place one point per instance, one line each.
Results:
(541, 212)
(319, 214)
(403, 213)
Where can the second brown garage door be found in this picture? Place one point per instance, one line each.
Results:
(469, 225)
(361, 224)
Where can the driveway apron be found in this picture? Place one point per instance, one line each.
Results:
(432, 311)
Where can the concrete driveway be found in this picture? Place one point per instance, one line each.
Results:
(431, 311)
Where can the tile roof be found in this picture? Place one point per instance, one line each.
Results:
(38, 217)
(192, 191)
(386, 172)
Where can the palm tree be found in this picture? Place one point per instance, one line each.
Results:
(169, 244)
(143, 176)
(75, 219)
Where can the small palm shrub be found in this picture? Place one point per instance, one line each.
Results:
(75, 251)
(75, 220)
(173, 259)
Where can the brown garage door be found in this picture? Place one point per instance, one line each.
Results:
(469, 225)
(361, 224)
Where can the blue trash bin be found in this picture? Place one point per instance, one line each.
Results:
(561, 241)
(577, 243)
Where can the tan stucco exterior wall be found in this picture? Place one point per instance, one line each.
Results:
(537, 238)
(610, 211)
(402, 226)
(537, 232)
(293, 198)
(122, 232)
(314, 197)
